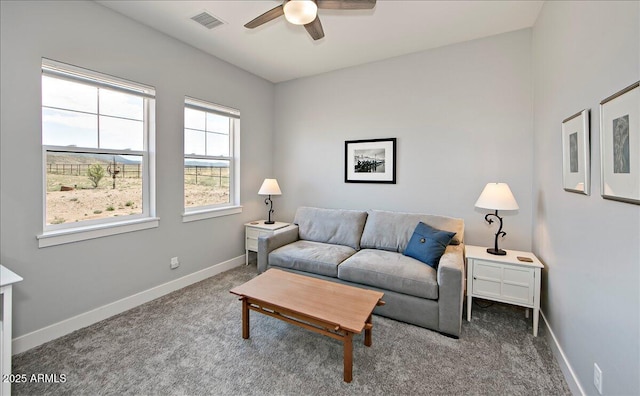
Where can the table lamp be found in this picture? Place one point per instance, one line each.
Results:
(269, 187)
(496, 196)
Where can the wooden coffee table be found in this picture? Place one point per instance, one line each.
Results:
(335, 310)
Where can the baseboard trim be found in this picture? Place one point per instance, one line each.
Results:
(57, 330)
(567, 370)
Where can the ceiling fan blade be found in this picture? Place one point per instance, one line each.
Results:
(314, 29)
(346, 4)
(266, 17)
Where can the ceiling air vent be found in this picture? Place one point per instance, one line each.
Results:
(207, 20)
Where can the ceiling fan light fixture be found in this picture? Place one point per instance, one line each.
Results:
(300, 12)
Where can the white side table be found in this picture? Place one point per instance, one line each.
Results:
(255, 229)
(505, 279)
(7, 279)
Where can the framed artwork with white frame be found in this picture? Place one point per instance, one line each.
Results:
(620, 145)
(576, 161)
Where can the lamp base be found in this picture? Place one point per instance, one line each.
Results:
(497, 252)
(269, 222)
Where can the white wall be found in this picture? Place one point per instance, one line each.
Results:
(462, 115)
(584, 52)
(71, 279)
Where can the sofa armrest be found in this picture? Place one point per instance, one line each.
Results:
(267, 244)
(451, 289)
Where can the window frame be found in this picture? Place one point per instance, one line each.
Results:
(222, 209)
(55, 234)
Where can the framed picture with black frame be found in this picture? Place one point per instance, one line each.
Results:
(370, 161)
(576, 162)
(620, 145)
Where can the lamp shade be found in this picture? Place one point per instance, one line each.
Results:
(270, 187)
(300, 12)
(497, 196)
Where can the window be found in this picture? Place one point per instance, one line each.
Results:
(97, 132)
(210, 153)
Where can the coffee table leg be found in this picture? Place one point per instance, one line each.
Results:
(348, 357)
(367, 331)
(245, 318)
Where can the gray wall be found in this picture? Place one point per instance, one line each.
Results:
(462, 115)
(67, 280)
(584, 52)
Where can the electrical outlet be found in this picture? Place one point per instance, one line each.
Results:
(597, 377)
(174, 263)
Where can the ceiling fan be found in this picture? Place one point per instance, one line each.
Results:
(305, 12)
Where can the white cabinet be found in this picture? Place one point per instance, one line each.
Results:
(256, 229)
(7, 279)
(504, 278)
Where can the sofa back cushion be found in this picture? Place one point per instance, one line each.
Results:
(336, 226)
(392, 230)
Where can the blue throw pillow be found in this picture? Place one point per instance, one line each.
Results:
(428, 244)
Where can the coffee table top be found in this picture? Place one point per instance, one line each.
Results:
(342, 305)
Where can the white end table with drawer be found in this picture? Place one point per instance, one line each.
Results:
(505, 279)
(255, 229)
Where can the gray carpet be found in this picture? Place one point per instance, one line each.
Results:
(189, 343)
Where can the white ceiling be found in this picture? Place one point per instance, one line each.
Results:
(279, 51)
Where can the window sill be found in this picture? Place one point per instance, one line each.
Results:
(53, 238)
(196, 215)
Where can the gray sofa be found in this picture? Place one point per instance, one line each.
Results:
(364, 249)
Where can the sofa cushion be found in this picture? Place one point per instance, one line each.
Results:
(392, 230)
(390, 271)
(336, 226)
(308, 256)
(427, 244)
